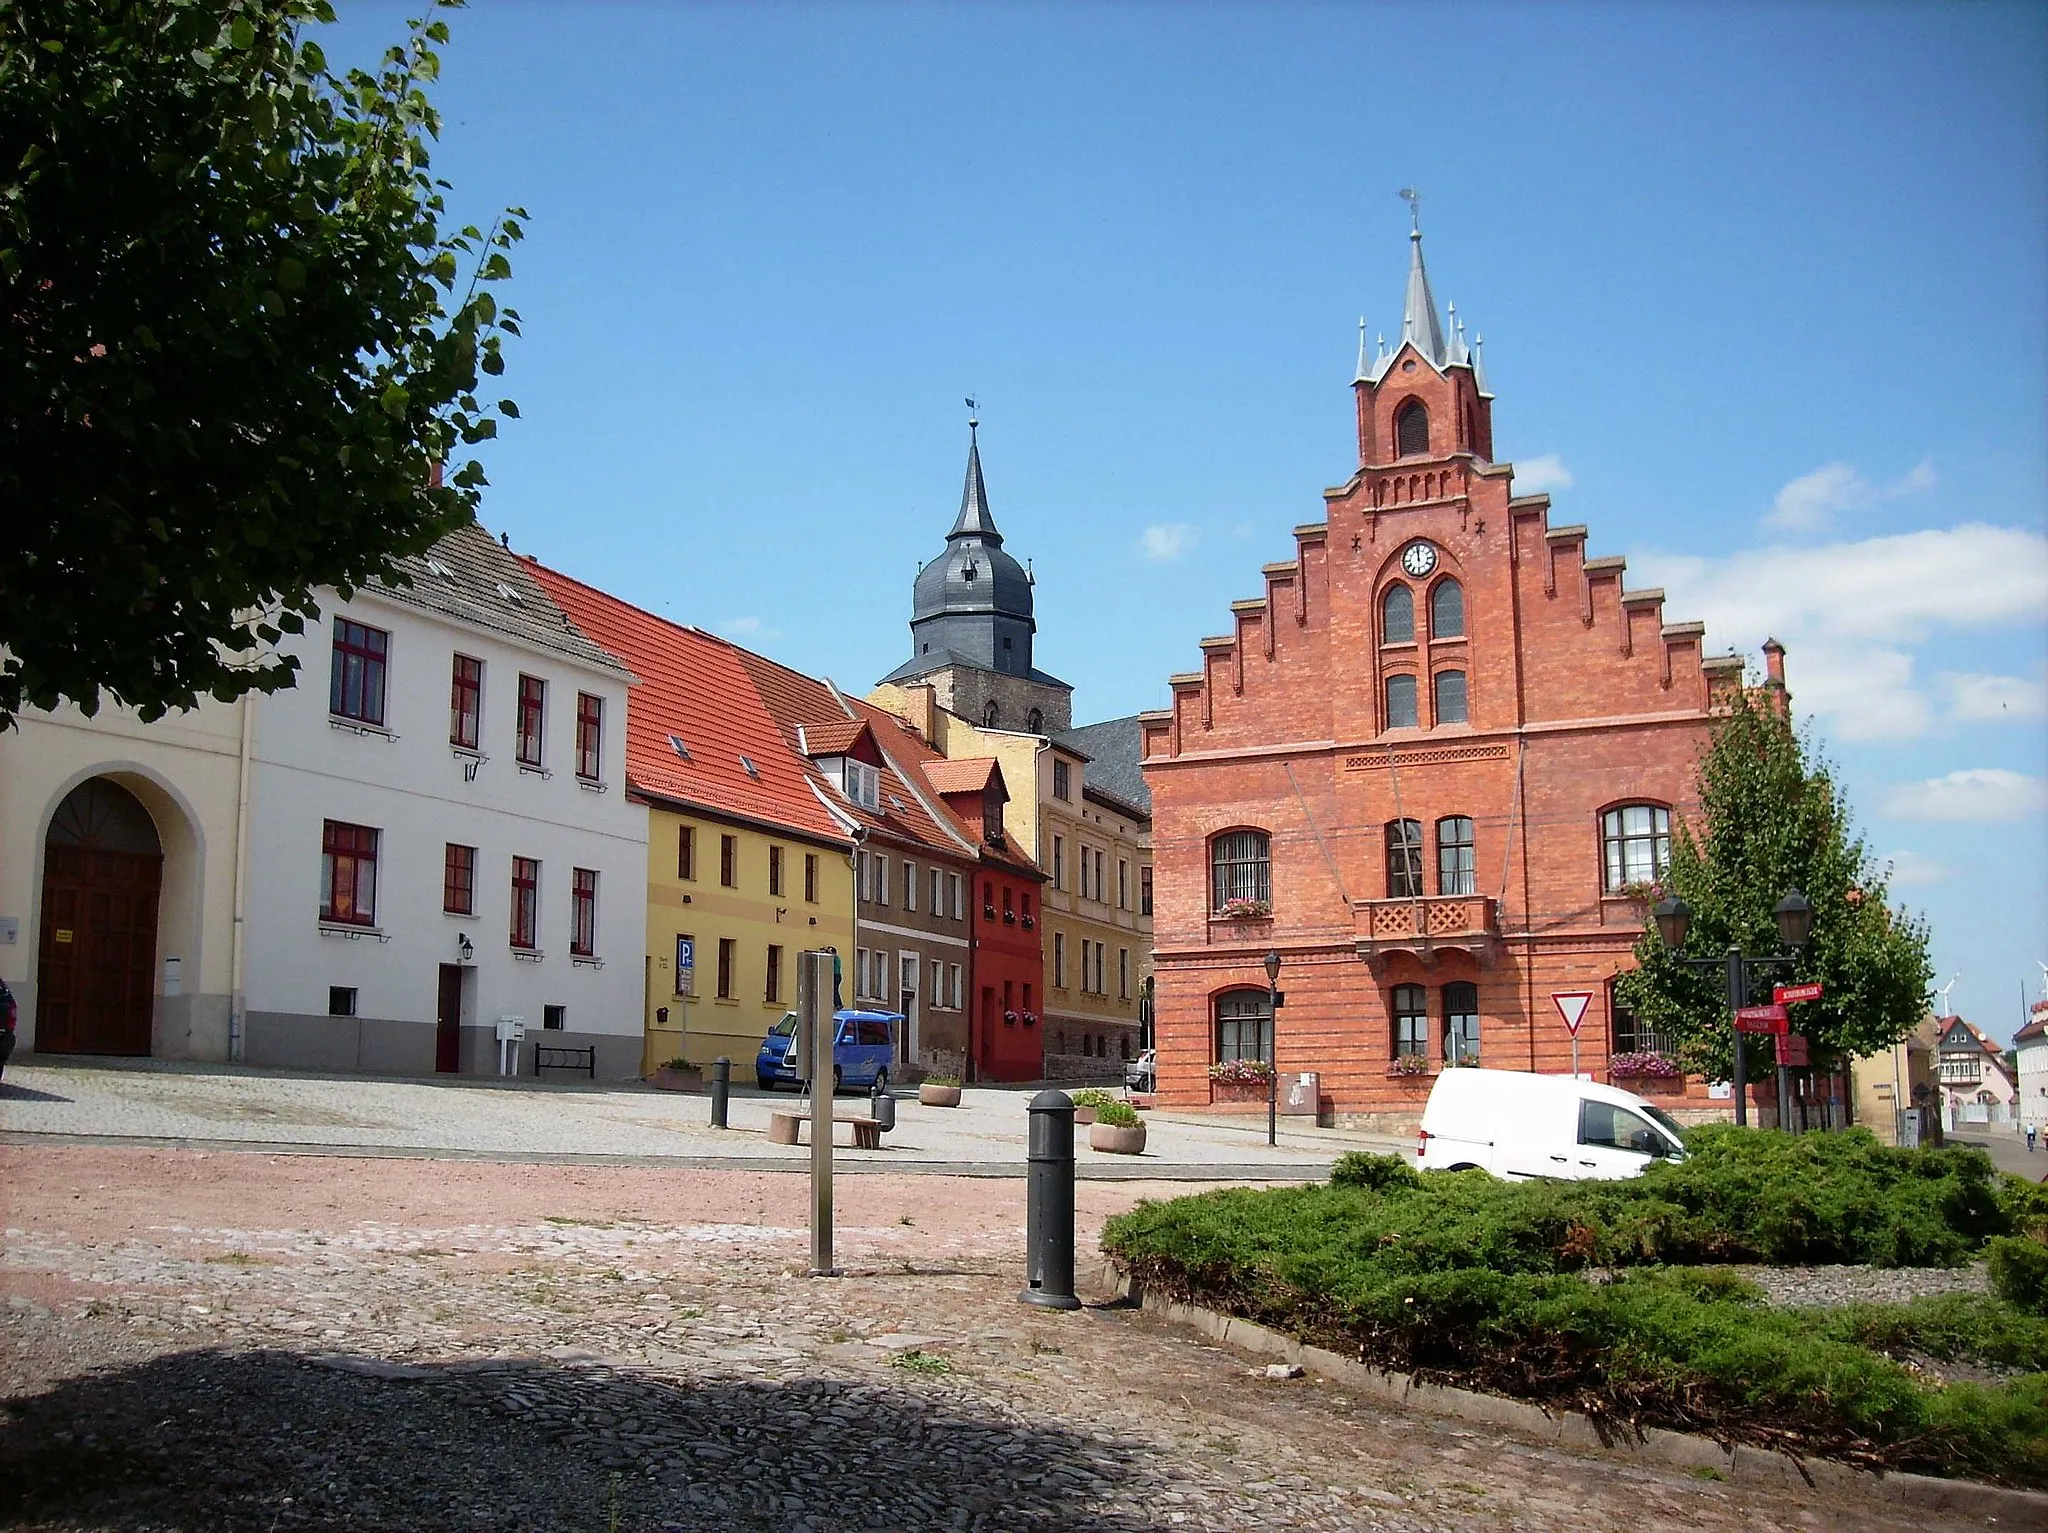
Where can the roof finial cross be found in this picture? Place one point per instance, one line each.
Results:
(1413, 198)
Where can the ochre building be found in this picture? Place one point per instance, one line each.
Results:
(1432, 765)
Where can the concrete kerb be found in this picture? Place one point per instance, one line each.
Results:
(1578, 1432)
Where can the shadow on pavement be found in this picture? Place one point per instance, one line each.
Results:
(271, 1440)
(13, 1093)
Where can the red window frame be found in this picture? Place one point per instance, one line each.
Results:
(525, 902)
(458, 880)
(583, 913)
(533, 700)
(589, 736)
(466, 703)
(356, 684)
(348, 873)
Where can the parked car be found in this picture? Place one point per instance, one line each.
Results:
(1521, 1126)
(7, 1015)
(1142, 1074)
(863, 1048)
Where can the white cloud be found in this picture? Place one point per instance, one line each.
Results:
(1164, 542)
(1974, 699)
(1854, 614)
(1811, 502)
(748, 628)
(1537, 476)
(1911, 869)
(1975, 793)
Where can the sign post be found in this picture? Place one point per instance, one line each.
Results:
(1571, 1005)
(814, 1027)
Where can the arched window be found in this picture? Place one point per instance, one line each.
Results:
(1404, 859)
(1411, 430)
(1454, 867)
(1397, 615)
(1635, 841)
(991, 714)
(1401, 702)
(1447, 610)
(1035, 721)
(1461, 1022)
(1451, 707)
(1243, 1025)
(1410, 1008)
(1241, 868)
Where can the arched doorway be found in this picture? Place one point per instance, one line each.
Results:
(102, 868)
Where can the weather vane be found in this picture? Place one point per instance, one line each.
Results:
(1413, 198)
(972, 420)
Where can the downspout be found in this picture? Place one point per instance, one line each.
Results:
(237, 1000)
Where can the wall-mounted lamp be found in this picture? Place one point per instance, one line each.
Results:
(465, 947)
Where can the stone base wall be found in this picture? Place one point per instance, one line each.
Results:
(1083, 1067)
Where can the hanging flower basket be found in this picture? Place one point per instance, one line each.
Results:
(1010, 1017)
(1030, 1019)
(1244, 910)
(1241, 1072)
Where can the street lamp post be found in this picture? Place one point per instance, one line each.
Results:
(1794, 915)
(1273, 1048)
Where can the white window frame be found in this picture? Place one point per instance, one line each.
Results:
(938, 995)
(959, 897)
(938, 902)
(909, 886)
(1059, 959)
(954, 987)
(1059, 862)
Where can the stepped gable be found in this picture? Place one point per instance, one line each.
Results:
(695, 688)
(816, 720)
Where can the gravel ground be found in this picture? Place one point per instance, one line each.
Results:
(1871, 1285)
(253, 1342)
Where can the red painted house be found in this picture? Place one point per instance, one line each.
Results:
(1433, 764)
(1006, 1035)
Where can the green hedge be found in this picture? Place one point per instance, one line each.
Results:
(1469, 1280)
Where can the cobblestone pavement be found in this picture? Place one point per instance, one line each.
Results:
(254, 1342)
(173, 1103)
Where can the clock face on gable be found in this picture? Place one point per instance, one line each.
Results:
(1418, 559)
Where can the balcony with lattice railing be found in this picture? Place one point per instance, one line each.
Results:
(1426, 925)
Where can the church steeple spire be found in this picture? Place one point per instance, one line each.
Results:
(1418, 312)
(975, 519)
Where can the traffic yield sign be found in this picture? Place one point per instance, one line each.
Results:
(1571, 1005)
(1787, 995)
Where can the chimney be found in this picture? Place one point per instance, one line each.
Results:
(920, 698)
(1774, 664)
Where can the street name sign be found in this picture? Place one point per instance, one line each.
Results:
(1788, 995)
(1762, 1019)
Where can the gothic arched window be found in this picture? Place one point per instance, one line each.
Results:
(1397, 615)
(1447, 610)
(1411, 430)
(1035, 722)
(991, 714)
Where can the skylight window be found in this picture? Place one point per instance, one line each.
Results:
(747, 762)
(438, 568)
(508, 593)
(681, 749)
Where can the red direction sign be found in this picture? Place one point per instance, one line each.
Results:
(1571, 1005)
(1787, 995)
(1761, 1019)
(1792, 1050)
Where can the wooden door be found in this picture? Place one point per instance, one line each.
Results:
(448, 1021)
(97, 968)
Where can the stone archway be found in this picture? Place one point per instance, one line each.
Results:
(96, 971)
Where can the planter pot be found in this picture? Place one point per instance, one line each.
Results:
(665, 1079)
(1237, 1091)
(938, 1096)
(1117, 1141)
(1084, 1115)
(1646, 1085)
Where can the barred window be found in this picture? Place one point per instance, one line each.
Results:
(1241, 867)
(1447, 610)
(1401, 702)
(1411, 430)
(1397, 615)
(1451, 707)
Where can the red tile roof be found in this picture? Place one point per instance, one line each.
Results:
(696, 687)
(968, 775)
(909, 811)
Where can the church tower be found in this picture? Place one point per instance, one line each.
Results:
(971, 625)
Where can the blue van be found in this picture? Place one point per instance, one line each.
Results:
(863, 1048)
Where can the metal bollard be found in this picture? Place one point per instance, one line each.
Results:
(721, 1089)
(1049, 1204)
(882, 1108)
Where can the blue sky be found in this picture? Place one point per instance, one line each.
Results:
(1762, 290)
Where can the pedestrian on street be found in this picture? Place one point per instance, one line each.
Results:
(2032, 1130)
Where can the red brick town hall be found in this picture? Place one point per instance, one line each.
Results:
(1432, 764)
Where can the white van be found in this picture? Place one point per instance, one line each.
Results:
(1519, 1126)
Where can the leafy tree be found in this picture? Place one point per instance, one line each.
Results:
(236, 342)
(1771, 819)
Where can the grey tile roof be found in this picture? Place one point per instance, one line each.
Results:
(939, 660)
(470, 586)
(1114, 749)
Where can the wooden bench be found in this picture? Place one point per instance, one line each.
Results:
(565, 1059)
(787, 1128)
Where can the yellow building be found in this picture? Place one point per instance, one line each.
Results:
(748, 861)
